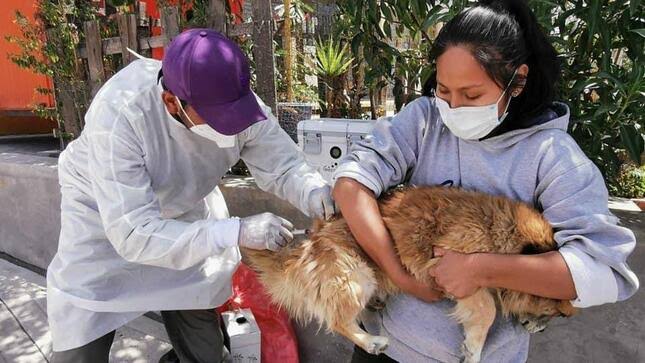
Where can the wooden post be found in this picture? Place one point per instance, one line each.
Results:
(94, 55)
(170, 22)
(128, 33)
(217, 15)
(263, 52)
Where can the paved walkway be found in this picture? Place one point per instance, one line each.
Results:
(603, 334)
(24, 333)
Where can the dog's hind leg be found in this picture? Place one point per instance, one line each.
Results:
(476, 313)
(347, 296)
(373, 344)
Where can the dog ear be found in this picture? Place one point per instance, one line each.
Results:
(566, 309)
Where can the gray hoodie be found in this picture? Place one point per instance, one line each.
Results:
(540, 165)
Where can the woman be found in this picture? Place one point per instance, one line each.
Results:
(487, 122)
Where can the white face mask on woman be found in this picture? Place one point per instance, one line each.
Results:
(472, 122)
(204, 130)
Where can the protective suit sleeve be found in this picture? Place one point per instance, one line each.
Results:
(277, 164)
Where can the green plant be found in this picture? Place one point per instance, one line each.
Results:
(292, 61)
(391, 40)
(302, 92)
(603, 81)
(332, 63)
(332, 59)
(118, 3)
(630, 181)
(197, 16)
(48, 46)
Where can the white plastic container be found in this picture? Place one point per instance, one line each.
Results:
(244, 335)
(326, 141)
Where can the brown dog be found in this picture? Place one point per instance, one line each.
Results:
(330, 278)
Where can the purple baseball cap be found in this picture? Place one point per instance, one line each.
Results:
(210, 72)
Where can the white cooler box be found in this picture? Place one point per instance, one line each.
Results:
(325, 141)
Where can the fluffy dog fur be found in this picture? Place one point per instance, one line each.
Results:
(330, 278)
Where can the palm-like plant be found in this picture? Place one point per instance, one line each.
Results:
(332, 63)
(332, 60)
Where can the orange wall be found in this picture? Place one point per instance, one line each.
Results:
(16, 84)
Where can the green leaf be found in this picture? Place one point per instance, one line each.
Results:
(640, 32)
(616, 81)
(551, 3)
(433, 15)
(593, 19)
(603, 110)
(633, 142)
(332, 60)
(423, 7)
(387, 13)
(356, 43)
(415, 8)
(633, 7)
(387, 29)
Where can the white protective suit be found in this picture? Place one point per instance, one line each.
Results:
(135, 235)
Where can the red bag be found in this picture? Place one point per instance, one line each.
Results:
(278, 339)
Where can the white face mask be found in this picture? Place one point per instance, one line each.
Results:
(204, 130)
(472, 122)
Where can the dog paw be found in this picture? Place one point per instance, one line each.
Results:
(534, 325)
(469, 356)
(376, 304)
(377, 345)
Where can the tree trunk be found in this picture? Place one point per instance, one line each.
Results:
(373, 104)
(358, 86)
(286, 44)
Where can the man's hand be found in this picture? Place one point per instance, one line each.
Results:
(265, 231)
(455, 273)
(321, 205)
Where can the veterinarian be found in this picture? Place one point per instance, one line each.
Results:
(136, 231)
(487, 121)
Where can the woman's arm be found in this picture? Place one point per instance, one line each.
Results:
(545, 274)
(589, 266)
(360, 210)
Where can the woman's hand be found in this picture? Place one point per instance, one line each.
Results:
(421, 291)
(456, 274)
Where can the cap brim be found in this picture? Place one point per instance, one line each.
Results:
(233, 117)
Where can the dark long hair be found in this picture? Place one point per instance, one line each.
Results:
(502, 35)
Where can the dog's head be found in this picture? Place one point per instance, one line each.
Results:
(548, 310)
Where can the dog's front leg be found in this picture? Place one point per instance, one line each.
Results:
(373, 344)
(476, 313)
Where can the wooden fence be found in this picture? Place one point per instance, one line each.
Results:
(95, 48)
